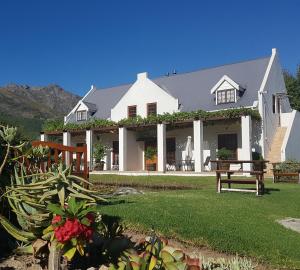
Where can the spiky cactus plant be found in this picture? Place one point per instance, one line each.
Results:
(29, 195)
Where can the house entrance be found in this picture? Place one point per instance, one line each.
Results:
(229, 141)
(150, 155)
(115, 155)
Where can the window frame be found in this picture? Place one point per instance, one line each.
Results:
(128, 111)
(226, 96)
(150, 104)
(83, 115)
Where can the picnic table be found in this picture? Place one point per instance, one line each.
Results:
(257, 172)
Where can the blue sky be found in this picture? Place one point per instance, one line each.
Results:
(105, 43)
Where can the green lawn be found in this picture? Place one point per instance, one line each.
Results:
(229, 222)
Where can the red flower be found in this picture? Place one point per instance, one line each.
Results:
(72, 228)
(56, 219)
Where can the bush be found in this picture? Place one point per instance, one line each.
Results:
(224, 154)
(288, 166)
(99, 152)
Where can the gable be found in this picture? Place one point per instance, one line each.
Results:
(82, 107)
(225, 83)
(144, 91)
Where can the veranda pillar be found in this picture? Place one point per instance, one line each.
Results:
(198, 145)
(246, 151)
(122, 149)
(161, 147)
(89, 147)
(67, 142)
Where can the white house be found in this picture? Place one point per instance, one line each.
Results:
(186, 145)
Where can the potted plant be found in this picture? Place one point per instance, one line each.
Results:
(150, 153)
(98, 154)
(224, 154)
(257, 165)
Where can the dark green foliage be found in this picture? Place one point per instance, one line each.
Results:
(293, 88)
(150, 153)
(99, 151)
(57, 125)
(27, 128)
(224, 153)
(288, 166)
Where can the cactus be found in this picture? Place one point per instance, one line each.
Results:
(155, 254)
(29, 196)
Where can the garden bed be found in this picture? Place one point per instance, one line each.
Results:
(204, 254)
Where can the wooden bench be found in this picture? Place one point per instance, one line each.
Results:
(279, 174)
(258, 175)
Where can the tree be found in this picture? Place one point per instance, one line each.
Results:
(293, 88)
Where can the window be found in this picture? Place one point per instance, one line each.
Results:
(131, 111)
(81, 115)
(274, 103)
(225, 96)
(151, 109)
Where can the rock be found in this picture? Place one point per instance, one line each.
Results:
(127, 191)
(291, 223)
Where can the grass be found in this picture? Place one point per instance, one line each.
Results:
(228, 222)
(159, 182)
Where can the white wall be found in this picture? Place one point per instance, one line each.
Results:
(291, 147)
(285, 119)
(144, 91)
(273, 83)
(134, 152)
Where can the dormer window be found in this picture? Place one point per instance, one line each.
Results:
(226, 90)
(226, 96)
(81, 115)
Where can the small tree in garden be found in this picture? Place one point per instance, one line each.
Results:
(99, 153)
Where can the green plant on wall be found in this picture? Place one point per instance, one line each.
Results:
(58, 125)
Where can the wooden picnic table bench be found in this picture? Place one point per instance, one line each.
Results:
(280, 174)
(257, 172)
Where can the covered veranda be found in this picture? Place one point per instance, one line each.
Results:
(126, 145)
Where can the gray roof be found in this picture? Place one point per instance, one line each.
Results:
(92, 107)
(106, 99)
(193, 89)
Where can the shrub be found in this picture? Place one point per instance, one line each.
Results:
(150, 153)
(224, 154)
(289, 166)
(99, 152)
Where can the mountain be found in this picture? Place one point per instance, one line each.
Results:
(28, 107)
